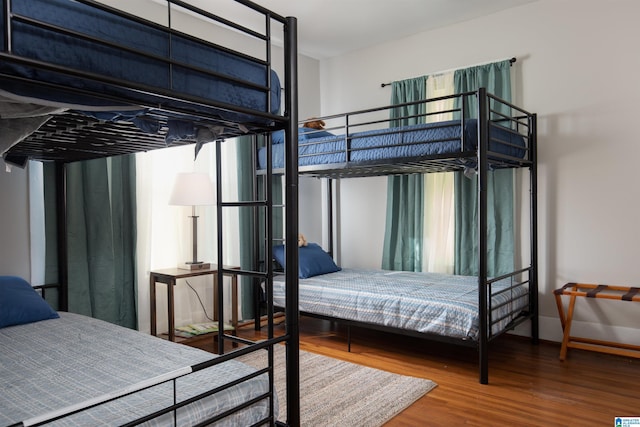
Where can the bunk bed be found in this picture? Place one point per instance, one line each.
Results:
(465, 310)
(81, 80)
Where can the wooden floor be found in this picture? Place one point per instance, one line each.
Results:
(528, 384)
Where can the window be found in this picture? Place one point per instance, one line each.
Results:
(439, 221)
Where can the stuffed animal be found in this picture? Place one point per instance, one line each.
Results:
(314, 123)
(302, 241)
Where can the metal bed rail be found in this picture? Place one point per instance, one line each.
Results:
(188, 106)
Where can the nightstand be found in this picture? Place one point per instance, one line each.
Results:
(170, 276)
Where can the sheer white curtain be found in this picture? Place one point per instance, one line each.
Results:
(164, 231)
(439, 235)
(36, 223)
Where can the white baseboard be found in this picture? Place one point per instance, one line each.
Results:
(550, 330)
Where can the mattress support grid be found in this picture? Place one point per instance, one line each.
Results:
(349, 324)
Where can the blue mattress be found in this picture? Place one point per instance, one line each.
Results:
(46, 45)
(422, 140)
(440, 304)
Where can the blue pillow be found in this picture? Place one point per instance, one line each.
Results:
(277, 137)
(312, 260)
(20, 303)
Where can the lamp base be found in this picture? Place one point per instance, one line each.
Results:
(194, 266)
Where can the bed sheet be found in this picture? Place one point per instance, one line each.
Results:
(55, 363)
(434, 303)
(409, 141)
(32, 41)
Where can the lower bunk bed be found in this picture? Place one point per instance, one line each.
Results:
(439, 305)
(66, 369)
(433, 306)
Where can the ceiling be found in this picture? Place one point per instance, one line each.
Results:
(328, 28)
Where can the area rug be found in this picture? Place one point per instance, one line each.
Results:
(338, 393)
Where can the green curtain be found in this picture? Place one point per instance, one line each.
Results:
(403, 228)
(51, 272)
(247, 215)
(101, 236)
(496, 78)
(402, 248)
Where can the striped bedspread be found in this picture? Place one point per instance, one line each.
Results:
(425, 302)
(52, 364)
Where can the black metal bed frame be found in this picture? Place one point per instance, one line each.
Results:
(72, 127)
(487, 115)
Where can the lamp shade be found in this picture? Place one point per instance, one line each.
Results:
(192, 189)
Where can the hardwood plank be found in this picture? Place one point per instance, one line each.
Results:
(528, 384)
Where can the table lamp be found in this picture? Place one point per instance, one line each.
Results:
(193, 189)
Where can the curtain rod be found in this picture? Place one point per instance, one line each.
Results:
(511, 61)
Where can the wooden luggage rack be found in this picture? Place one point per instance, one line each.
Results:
(574, 290)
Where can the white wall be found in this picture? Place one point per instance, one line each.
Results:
(14, 220)
(573, 58)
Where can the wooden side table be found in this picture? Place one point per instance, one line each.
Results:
(574, 290)
(170, 276)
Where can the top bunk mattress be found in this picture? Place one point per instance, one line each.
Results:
(435, 140)
(52, 364)
(85, 57)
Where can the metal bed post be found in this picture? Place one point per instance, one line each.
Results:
(220, 262)
(533, 185)
(329, 202)
(268, 245)
(61, 238)
(483, 137)
(255, 283)
(291, 230)
(268, 267)
(6, 5)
